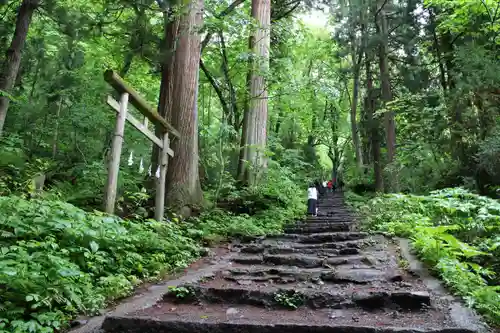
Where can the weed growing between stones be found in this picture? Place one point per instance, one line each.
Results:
(181, 292)
(289, 299)
(404, 264)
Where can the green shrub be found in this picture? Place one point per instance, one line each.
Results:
(58, 260)
(455, 232)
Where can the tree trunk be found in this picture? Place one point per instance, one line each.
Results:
(244, 130)
(386, 87)
(373, 130)
(55, 138)
(256, 131)
(390, 127)
(354, 124)
(171, 26)
(280, 116)
(456, 104)
(13, 55)
(437, 49)
(365, 137)
(230, 86)
(183, 182)
(127, 63)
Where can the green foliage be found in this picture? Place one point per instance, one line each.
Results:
(257, 210)
(58, 261)
(455, 232)
(458, 14)
(355, 200)
(181, 292)
(290, 299)
(489, 154)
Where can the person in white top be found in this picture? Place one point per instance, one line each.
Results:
(312, 200)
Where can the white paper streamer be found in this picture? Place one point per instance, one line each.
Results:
(157, 174)
(149, 171)
(141, 166)
(131, 158)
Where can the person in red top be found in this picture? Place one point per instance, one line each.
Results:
(330, 186)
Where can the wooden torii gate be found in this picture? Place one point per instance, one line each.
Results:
(130, 95)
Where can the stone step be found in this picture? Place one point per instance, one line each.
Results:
(336, 202)
(314, 228)
(305, 224)
(328, 219)
(332, 237)
(272, 297)
(332, 203)
(318, 252)
(326, 212)
(341, 274)
(301, 260)
(333, 217)
(322, 237)
(273, 245)
(191, 321)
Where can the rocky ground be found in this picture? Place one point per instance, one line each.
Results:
(321, 275)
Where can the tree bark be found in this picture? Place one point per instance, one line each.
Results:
(280, 116)
(171, 27)
(354, 105)
(256, 122)
(55, 139)
(390, 126)
(244, 129)
(437, 49)
(183, 181)
(457, 143)
(373, 130)
(13, 55)
(386, 87)
(229, 83)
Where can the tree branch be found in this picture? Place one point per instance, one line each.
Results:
(222, 14)
(216, 87)
(380, 9)
(488, 10)
(225, 69)
(287, 12)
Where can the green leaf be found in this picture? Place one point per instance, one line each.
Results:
(94, 247)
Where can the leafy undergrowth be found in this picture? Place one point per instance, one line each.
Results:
(455, 232)
(58, 261)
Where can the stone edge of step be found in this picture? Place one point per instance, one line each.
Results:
(459, 314)
(313, 299)
(141, 324)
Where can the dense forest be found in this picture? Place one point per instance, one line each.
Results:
(391, 96)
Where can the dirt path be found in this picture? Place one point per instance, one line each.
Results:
(321, 275)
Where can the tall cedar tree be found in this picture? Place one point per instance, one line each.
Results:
(254, 136)
(13, 55)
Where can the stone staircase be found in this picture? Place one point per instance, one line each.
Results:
(321, 275)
